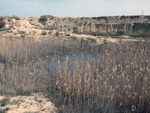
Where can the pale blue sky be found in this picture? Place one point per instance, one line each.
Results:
(73, 8)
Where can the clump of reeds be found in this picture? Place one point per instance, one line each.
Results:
(117, 81)
(25, 64)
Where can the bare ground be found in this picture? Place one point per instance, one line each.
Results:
(36, 103)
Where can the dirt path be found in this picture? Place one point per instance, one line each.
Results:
(36, 103)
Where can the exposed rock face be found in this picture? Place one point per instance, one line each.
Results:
(127, 25)
(115, 29)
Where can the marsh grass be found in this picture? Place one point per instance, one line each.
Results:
(117, 80)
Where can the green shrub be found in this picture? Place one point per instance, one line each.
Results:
(120, 32)
(56, 33)
(75, 30)
(43, 33)
(1, 18)
(16, 17)
(42, 19)
(4, 102)
(2, 24)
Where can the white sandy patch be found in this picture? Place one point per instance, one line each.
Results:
(101, 39)
(34, 103)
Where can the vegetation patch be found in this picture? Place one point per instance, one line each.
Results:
(79, 76)
(42, 19)
(4, 102)
(2, 23)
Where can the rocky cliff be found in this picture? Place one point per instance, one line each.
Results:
(133, 29)
(124, 25)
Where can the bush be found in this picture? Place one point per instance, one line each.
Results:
(43, 33)
(2, 24)
(67, 34)
(1, 18)
(120, 32)
(75, 30)
(42, 19)
(16, 17)
(56, 33)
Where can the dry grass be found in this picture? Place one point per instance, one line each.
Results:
(26, 63)
(117, 80)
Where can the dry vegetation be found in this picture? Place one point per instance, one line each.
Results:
(117, 80)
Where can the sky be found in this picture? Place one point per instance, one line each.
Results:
(73, 8)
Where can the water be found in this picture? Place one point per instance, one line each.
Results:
(78, 57)
(51, 65)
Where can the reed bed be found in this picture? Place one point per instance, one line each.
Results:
(115, 79)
